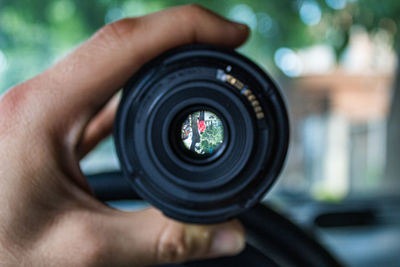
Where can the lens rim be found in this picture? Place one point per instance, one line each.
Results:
(239, 194)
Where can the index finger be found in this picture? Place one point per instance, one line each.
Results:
(80, 84)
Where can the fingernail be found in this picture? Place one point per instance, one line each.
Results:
(226, 242)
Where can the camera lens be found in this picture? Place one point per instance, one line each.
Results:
(201, 133)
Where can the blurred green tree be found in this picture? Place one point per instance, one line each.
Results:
(34, 34)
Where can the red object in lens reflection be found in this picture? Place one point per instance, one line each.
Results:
(201, 125)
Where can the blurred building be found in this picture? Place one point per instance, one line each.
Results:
(339, 117)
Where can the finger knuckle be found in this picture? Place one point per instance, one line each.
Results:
(173, 248)
(11, 106)
(193, 9)
(191, 12)
(190, 16)
(119, 30)
(172, 251)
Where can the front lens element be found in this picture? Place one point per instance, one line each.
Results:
(202, 132)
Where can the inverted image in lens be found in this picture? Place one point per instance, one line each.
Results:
(202, 132)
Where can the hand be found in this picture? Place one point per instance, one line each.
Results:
(49, 216)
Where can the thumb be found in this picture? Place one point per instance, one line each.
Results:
(147, 237)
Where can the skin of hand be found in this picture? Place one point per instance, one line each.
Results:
(49, 216)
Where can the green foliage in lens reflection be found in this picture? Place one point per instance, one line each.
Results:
(211, 138)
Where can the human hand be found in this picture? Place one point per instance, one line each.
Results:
(49, 216)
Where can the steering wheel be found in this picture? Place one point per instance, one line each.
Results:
(272, 240)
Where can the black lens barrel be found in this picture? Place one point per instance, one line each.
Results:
(201, 188)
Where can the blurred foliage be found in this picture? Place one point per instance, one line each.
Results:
(33, 34)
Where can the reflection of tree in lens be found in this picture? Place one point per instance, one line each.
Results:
(195, 131)
(202, 132)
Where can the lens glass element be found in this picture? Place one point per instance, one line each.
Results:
(202, 132)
